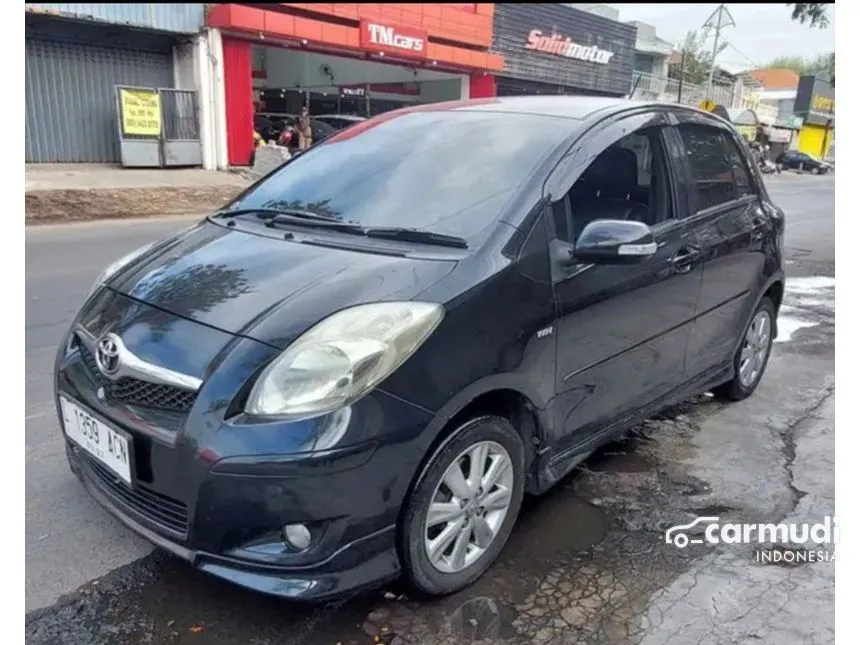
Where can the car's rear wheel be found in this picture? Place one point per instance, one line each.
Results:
(463, 506)
(752, 355)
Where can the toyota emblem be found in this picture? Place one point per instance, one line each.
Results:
(107, 354)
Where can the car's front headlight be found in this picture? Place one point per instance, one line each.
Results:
(116, 265)
(342, 358)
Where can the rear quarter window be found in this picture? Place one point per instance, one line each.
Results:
(710, 163)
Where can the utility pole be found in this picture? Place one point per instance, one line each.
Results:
(716, 22)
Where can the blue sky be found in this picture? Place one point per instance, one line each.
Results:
(762, 32)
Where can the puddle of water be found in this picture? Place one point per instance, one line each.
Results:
(810, 284)
(787, 325)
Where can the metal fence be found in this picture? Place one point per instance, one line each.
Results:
(660, 88)
(158, 127)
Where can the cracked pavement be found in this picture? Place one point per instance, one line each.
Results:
(587, 563)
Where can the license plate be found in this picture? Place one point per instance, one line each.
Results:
(110, 447)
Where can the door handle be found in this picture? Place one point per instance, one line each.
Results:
(685, 257)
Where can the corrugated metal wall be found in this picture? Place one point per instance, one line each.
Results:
(512, 23)
(177, 17)
(70, 75)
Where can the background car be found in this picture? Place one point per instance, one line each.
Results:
(340, 121)
(796, 160)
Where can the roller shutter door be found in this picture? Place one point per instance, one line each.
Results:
(70, 100)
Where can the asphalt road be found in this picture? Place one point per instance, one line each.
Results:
(71, 541)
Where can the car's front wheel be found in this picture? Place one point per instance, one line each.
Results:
(752, 355)
(463, 506)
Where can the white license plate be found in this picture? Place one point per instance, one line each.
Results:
(104, 443)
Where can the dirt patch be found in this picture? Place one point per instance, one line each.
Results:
(52, 206)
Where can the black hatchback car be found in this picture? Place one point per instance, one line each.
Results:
(797, 160)
(357, 368)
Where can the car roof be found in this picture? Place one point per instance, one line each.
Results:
(345, 117)
(568, 107)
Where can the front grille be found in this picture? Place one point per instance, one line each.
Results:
(169, 513)
(137, 392)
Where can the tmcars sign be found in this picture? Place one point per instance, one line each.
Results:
(561, 46)
(391, 39)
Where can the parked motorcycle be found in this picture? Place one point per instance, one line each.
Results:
(768, 167)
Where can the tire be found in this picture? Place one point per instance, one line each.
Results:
(744, 384)
(450, 574)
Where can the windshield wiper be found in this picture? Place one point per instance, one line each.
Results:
(417, 236)
(318, 221)
(298, 217)
(270, 213)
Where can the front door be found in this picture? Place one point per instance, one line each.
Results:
(622, 330)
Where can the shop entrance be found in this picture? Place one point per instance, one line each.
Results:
(341, 89)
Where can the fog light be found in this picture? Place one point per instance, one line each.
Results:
(297, 536)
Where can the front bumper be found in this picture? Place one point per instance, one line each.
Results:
(360, 564)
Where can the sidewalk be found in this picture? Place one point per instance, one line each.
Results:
(70, 192)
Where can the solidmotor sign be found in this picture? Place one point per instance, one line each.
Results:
(561, 46)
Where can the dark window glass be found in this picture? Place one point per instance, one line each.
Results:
(446, 172)
(739, 167)
(626, 181)
(710, 165)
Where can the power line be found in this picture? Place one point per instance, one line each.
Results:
(741, 53)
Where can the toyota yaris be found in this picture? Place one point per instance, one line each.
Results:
(357, 368)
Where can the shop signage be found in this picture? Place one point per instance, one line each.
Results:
(140, 112)
(793, 122)
(561, 46)
(815, 101)
(778, 135)
(400, 40)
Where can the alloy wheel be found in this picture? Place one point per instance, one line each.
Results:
(755, 348)
(468, 506)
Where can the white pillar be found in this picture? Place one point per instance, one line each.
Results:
(464, 87)
(213, 62)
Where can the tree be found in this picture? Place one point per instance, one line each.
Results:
(822, 65)
(696, 51)
(815, 13)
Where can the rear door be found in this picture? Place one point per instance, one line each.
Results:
(727, 230)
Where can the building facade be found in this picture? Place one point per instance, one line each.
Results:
(77, 54)
(551, 48)
(355, 59)
(816, 105)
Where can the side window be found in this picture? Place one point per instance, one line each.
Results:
(709, 163)
(627, 181)
(739, 168)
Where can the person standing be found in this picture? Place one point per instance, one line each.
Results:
(304, 129)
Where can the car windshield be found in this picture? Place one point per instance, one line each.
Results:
(445, 172)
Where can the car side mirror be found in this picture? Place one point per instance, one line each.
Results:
(609, 241)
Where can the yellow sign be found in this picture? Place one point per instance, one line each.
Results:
(823, 104)
(141, 112)
(707, 106)
(747, 131)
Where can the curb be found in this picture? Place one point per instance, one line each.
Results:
(62, 206)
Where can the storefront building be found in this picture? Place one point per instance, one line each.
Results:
(816, 105)
(77, 54)
(556, 49)
(782, 135)
(352, 59)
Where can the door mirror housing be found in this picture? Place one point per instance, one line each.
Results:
(609, 241)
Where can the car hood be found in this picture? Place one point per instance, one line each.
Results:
(267, 288)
